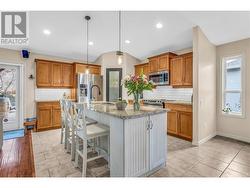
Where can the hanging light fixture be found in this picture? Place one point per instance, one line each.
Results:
(87, 18)
(119, 53)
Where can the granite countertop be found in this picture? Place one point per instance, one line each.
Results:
(179, 102)
(128, 113)
(53, 100)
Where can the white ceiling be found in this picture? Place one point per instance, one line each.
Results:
(68, 31)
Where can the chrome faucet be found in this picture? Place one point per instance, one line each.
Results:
(91, 92)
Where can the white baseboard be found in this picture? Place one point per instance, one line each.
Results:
(207, 138)
(236, 137)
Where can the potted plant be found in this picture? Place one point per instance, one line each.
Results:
(136, 85)
(121, 104)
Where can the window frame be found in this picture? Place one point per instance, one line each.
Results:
(241, 90)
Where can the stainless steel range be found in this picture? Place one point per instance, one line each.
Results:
(157, 102)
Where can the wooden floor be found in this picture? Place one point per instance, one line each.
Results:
(16, 158)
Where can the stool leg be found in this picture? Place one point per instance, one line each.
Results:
(66, 136)
(62, 131)
(108, 137)
(76, 153)
(84, 159)
(73, 145)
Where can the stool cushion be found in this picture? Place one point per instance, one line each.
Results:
(94, 130)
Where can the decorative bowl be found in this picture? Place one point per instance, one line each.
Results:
(121, 105)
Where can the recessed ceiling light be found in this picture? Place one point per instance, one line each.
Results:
(46, 32)
(159, 25)
(91, 43)
(127, 41)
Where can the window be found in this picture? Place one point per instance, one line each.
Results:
(232, 98)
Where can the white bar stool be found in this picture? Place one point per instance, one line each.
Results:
(84, 134)
(70, 133)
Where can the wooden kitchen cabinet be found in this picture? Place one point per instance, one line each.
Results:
(185, 125)
(48, 115)
(188, 67)
(161, 62)
(43, 73)
(181, 71)
(141, 68)
(172, 122)
(68, 75)
(56, 74)
(180, 120)
(53, 74)
(81, 68)
(56, 116)
(153, 64)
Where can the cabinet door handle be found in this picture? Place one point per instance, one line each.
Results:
(151, 124)
(148, 125)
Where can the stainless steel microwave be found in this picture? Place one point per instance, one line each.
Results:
(160, 78)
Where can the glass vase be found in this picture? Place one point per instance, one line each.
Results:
(136, 102)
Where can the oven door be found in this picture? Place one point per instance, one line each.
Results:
(160, 78)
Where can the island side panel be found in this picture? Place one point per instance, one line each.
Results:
(116, 141)
(158, 141)
(136, 139)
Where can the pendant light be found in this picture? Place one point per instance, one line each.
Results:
(87, 18)
(119, 53)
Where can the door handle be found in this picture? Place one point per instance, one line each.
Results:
(151, 124)
(148, 125)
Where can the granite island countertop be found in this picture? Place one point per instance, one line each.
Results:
(129, 113)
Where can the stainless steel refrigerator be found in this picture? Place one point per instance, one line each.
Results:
(89, 88)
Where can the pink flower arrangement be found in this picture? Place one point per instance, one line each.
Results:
(137, 84)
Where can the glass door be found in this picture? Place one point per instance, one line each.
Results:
(113, 84)
(9, 89)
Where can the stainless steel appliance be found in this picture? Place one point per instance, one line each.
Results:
(155, 102)
(160, 78)
(89, 88)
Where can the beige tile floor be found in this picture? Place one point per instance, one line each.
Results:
(219, 157)
(51, 160)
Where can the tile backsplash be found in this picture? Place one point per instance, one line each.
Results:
(50, 94)
(169, 93)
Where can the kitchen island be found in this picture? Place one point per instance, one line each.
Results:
(137, 139)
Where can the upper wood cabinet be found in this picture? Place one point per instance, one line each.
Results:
(141, 68)
(181, 71)
(43, 74)
(52, 74)
(93, 69)
(68, 75)
(160, 62)
(176, 72)
(56, 74)
(153, 64)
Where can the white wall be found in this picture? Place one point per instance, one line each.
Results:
(238, 128)
(109, 60)
(204, 87)
(13, 56)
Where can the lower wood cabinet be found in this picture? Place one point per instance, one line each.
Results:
(180, 120)
(172, 122)
(185, 125)
(48, 115)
